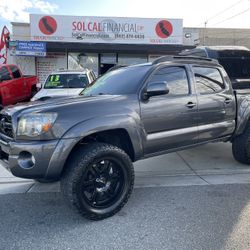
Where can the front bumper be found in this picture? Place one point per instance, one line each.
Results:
(35, 159)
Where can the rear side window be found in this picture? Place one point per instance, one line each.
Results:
(15, 72)
(4, 74)
(208, 80)
(176, 78)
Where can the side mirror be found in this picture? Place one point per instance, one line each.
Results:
(156, 88)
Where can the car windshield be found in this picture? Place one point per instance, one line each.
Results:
(61, 81)
(118, 82)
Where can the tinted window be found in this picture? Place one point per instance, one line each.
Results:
(118, 82)
(208, 80)
(236, 67)
(15, 72)
(176, 78)
(60, 81)
(4, 74)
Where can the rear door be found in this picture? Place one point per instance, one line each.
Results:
(170, 121)
(216, 104)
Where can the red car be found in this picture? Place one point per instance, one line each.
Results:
(14, 86)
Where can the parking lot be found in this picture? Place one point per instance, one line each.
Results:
(191, 206)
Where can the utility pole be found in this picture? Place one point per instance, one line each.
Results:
(204, 33)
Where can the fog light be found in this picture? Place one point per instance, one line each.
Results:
(26, 160)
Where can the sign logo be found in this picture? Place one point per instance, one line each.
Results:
(164, 29)
(47, 25)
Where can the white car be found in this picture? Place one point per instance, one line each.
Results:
(65, 83)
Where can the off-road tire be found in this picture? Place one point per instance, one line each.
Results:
(76, 167)
(241, 147)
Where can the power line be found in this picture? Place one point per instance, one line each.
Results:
(231, 17)
(221, 12)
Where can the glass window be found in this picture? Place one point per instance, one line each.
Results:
(60, 81)
(208, 80)
(83, 60)
(176, 78)
(121, 81)
(130, 59)
(4, 74)
(15, 72)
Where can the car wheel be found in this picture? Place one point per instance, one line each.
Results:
(98, 180)
(241, 147)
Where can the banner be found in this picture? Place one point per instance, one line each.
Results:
(118, 30)
(27, 48)
(3, 45)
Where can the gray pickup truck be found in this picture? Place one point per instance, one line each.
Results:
(89, 142)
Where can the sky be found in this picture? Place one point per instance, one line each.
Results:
(216, 13)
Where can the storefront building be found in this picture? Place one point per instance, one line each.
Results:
(97, 43)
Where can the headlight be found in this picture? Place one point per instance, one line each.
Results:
(35, 124)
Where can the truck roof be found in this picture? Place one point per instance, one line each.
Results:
(223, 48)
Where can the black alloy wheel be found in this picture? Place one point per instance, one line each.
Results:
(102, 183)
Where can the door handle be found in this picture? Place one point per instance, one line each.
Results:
(190, 105)
(228, 100)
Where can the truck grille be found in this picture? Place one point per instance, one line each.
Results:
(6, 125)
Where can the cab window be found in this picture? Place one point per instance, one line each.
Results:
(4, 74)
(208, 80)
(15, 72)
(176, 78)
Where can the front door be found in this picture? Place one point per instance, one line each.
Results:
(170, 121)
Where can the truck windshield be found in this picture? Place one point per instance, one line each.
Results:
(60, 81)
(118, 82)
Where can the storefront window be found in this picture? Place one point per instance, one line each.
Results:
(83, 60)
(124, 59)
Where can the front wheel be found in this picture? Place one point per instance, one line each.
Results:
(98, 180)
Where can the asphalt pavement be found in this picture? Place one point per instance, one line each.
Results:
(192, 217)
(193, 199)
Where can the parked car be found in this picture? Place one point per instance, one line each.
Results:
(65, 83)
(234, 59)
(14, 86)
(89, 142)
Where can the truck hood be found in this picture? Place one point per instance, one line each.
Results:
(56, 92)
(51, 103)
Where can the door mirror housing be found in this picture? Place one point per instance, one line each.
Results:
(156, 88)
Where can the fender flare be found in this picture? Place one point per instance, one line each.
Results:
(110, 122)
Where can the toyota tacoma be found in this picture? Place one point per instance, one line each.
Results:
(90, 142)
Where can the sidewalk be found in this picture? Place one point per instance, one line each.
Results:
(207, 165)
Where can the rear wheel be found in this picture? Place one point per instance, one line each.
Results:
(241, 147)
(98, 180)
